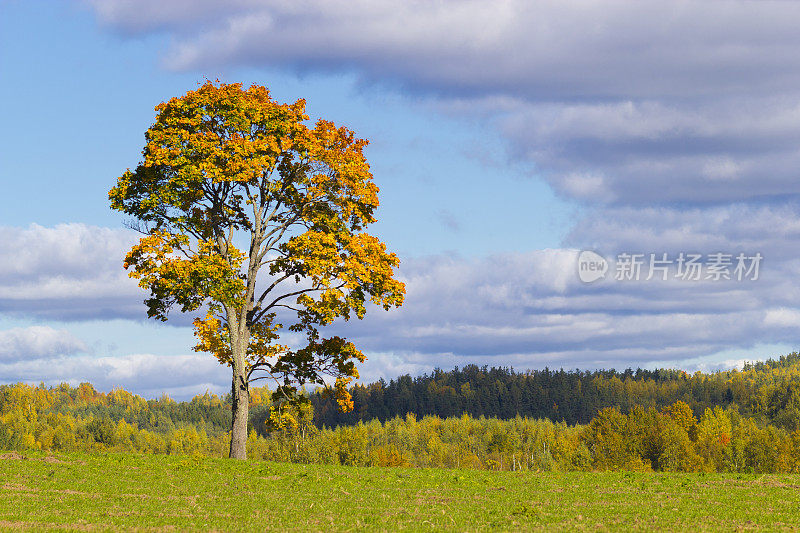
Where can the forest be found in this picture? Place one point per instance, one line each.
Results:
(762, 389)
(729, 421)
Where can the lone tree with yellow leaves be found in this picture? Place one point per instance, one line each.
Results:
(257, 219)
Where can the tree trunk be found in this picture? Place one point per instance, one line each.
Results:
(240, 392)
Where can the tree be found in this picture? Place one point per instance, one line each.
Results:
(714, 437)
(784, 406)
(605, 438)
(258, 220)
(682, 414)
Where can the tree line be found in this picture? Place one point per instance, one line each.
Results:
(765, 389)
(735, 421)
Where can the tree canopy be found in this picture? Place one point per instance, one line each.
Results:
(257, 220)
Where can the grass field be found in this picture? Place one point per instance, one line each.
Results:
(120, 491)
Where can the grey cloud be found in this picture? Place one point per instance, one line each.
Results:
(526, 309)
(545, 50)
(655, 153)
(773, 230)
(135, 17)
(613, 102)
(448, 220)
(531, 309)
(629, 108)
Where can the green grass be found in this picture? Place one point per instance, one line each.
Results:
(123, 491)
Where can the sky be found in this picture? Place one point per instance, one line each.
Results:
(506, 138)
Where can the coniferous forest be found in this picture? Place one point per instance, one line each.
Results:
(487, 418)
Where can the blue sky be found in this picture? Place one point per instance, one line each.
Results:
(83, 98)
(505, 137)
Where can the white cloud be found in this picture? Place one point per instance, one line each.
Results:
(782, 318)
(37, 342)
(67, 272)
(77, 251)
(149, 375)
(585, 186)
